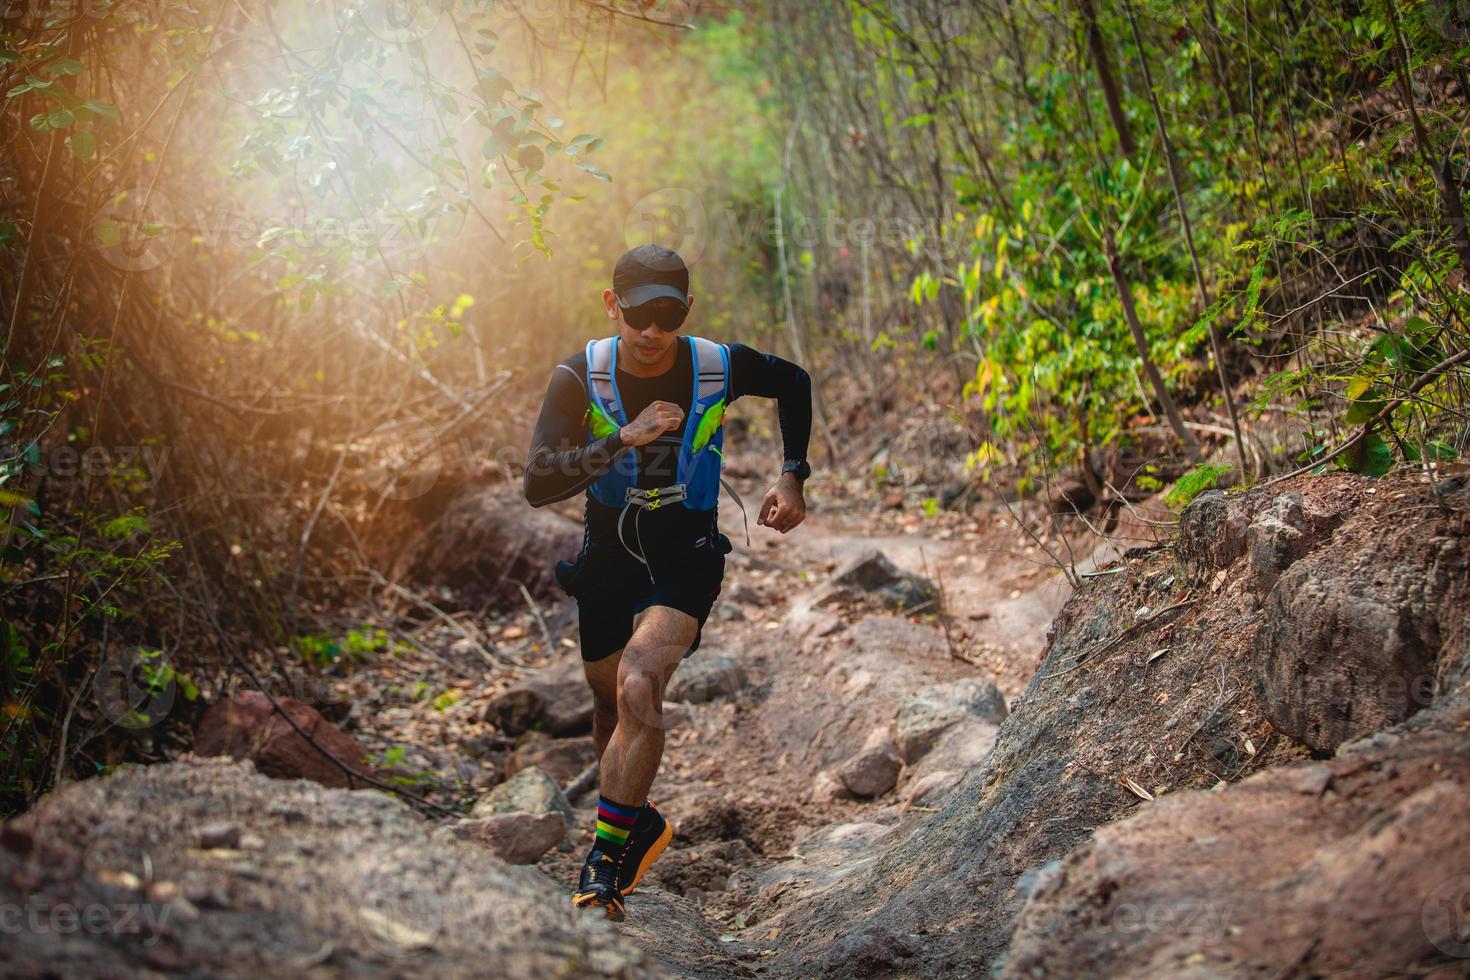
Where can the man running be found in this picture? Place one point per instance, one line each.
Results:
(635, 420)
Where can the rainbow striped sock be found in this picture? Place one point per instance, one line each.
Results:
(614, 823)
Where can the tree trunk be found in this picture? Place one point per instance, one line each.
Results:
(1199, 276)
(1155, 379)
(1104, 68)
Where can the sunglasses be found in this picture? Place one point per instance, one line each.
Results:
(668, 316)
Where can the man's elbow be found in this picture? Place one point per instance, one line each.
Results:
(528, 488)
(802, 381)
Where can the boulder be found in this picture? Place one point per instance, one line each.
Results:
(517, 837)
(873, 574)
(486, 542)
(1353, 633)
(1358, 865)
(706, 676)
(925, 715)
(556, 701)
(1289, 527)
(872, 772)
(530, 790)
(245, 726)
(563, 759)
(349, 884)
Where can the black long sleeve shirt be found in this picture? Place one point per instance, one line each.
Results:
(562, 462)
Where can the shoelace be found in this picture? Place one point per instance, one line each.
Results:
(605, 871)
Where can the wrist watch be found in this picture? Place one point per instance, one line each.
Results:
(798, 466)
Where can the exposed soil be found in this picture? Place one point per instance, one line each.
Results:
(1152, 730)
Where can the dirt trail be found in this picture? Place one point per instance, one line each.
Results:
(743, 777)
(1051, 844)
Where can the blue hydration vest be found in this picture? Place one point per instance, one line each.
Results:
(697, 484)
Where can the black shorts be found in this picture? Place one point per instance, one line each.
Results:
(611, 587)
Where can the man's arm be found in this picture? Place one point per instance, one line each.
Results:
(561, 463)
(768, 376)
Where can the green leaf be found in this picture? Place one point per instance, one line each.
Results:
(8, 57)
(593, 171)
(65, 66)
(1194, 483)
(60, 119)
(1364, 397)
(1370, 457)
(105, 109)
(39, 123)
(83, 145)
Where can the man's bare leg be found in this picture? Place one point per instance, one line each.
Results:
(602, 677)
(632, 756)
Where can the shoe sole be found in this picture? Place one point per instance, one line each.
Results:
(652, 855)
(614, 910)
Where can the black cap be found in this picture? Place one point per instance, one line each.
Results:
(651, 272)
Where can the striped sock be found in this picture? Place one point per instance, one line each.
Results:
(614, 823)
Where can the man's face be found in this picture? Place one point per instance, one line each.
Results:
(651, 345)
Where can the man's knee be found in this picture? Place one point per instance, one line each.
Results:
(640, 694)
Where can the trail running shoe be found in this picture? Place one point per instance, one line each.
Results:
(651, 834)
(599, 885)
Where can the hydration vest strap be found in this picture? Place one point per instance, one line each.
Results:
(655, 498)
(744, 517)
(601, 365)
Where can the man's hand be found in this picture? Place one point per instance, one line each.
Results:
(652, 422)
(784, 507)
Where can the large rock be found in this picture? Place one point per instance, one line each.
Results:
(925, 715)
(485, 543)
(556, 700)
(872, 772)
(873, 574)
(245, 726)
(517, 837)
(706, 676)
(528, 791)
(1358, 866)
(564, 759)
(351, 884)
(1353, 633)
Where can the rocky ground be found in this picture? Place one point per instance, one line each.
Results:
(876, 766)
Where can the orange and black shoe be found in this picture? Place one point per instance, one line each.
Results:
(651, 834)
(599, 885)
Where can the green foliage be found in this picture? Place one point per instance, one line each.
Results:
(1194, 483)
(324, 650)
